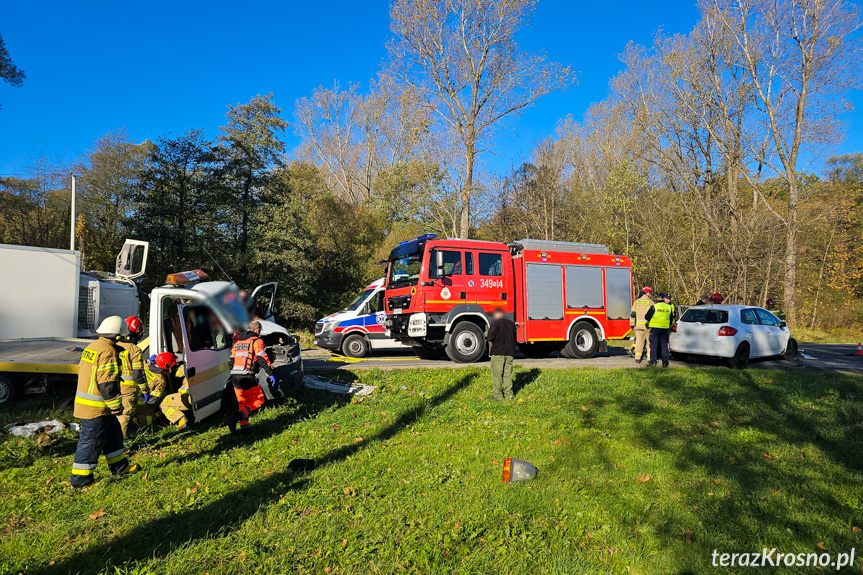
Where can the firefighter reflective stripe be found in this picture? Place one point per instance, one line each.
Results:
(82, 471)
(661, 316)
(90, 399)
(83, 467)
(244, 355)
(114, 402)
(115, 456)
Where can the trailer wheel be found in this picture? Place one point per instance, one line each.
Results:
(583, 341)
(7, 389)
(466, 343)
(355, 345)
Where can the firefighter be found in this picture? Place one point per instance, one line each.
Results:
(248, 356)
(131, 371)
(659, 319)
(638, 324)
(97, 404)
(771, 307)
(716, 298)
(154, 399)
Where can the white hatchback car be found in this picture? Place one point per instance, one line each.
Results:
(736, 332)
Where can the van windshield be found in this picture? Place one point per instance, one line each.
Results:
(705, 315)
(358, 301)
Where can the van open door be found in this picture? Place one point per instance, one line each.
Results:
(132, 259)
(206, 348)
(262, 301)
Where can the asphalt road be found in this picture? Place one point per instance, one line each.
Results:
(822, 356)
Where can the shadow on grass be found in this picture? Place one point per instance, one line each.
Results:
(524, 378)
(161, 536)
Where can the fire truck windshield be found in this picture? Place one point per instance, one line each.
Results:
(404, 269)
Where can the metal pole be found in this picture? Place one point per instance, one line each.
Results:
(72, 233)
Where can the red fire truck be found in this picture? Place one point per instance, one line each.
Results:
(570, 297)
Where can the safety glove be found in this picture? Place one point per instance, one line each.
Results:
(272, 380)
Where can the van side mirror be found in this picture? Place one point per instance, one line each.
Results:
(438, 256)
(783, 324)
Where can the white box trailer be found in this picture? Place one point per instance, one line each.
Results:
(48, 305)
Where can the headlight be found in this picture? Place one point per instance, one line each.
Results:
(330, 325)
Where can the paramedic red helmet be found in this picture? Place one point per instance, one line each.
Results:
(135, 325)
(716, 298)
(647, 289)
(166, 360)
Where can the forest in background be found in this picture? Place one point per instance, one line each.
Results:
(698, 165)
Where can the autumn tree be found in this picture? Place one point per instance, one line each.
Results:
(462, 60)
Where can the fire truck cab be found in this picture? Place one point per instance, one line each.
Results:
(571, 297)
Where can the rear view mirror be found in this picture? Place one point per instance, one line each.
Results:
(438, 256)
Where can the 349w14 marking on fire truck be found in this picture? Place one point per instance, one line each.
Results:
(571, 297)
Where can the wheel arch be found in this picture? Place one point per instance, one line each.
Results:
(592, 320)
(465, 312)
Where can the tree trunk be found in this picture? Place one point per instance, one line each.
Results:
(466, 191)
(789, 285)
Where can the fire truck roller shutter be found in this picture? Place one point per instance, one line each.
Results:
(618, 293)
(544, 292)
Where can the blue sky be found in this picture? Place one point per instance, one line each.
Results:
(165, 67)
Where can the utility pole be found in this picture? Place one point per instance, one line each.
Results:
(72, 233)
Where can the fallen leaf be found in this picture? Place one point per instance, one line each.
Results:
(344, 542)
(732, 459)
(687, 535)
(456, 526)
(856, 529)
(768, 456)
(710, 494)
(644, 479)
(822, 546)
(145, 476)
(96, 514)
(358, 440)
(328, 569)
(268, 472)
(337, 427)
(349, 491)
(551, 457)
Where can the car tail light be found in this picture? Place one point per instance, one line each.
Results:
(727, 330)
(674, 327)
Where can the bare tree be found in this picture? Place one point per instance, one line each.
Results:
(461, 58)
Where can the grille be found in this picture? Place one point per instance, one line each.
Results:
(86, 308)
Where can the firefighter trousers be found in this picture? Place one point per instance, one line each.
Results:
(98, 436)
(129, 397)
(642, 347)
(250, 397)
(147, 414)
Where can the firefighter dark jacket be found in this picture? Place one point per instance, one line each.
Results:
(98, 391)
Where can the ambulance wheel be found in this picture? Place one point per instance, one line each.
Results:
(7, 390)
(355, 345)
(535, 350)
(583, 341)
(466, 343)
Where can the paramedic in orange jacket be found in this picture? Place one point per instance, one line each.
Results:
(248, 356)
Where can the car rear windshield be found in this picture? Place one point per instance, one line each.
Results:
(705, 315)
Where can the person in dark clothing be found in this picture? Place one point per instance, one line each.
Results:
(704, 300)
(501, 338)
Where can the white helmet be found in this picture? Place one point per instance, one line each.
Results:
(112, 327)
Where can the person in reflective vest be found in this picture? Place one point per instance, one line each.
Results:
(659, 318)
(131, 372)
(248, 356)
(152, 402)
(97, 404)
(638, 323)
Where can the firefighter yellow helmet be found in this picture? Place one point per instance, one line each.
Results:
(112, 327)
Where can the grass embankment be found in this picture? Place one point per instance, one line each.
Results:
(639, 472)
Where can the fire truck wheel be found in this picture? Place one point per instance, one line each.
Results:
(583, 341)
(466, 343)
(355, 345)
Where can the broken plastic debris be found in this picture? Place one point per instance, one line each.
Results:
(517, 470)
(31, 429)
(315, 382)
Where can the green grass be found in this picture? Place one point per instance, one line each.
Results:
(409, 480)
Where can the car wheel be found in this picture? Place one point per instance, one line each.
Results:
(466, 343)
(583, 342)
(355, 345)
(7, 389)
(790, 349)
(535, 350)
(676, 355)
(741, 357)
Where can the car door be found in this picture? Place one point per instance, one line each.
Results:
(262, 300)
(206, 349)
(451, 287)
(758, 336)
(775, 335)
(491, 282)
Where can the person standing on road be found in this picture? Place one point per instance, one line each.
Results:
(97, 404)
(501, 338)
(639, 325)
(659, 318)
(248, 356)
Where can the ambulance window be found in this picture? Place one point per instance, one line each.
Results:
(451, 263)
(204, 329)
(468, 263)
(584, 287)
(490, 265)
